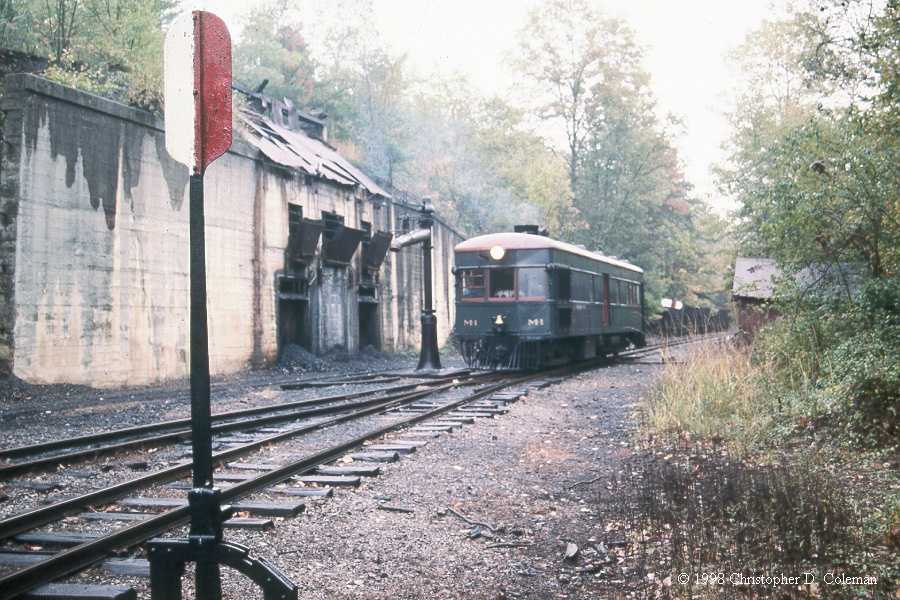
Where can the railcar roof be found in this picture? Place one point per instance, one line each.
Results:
(528, 241)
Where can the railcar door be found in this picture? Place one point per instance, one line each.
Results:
(605, 300)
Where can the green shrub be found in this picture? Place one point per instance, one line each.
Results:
(839, 357)
(862, 371)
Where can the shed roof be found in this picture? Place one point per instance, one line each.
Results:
(528, 241)
(754, 278)
(296, 149)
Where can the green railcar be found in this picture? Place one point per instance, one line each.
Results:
(526, 300)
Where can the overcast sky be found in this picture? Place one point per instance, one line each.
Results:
(686, 43)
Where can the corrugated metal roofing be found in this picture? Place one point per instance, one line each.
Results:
(297, 150)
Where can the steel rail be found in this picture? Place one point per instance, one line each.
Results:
(44, 463)
(639, 352)
(155, 394)
(88, 553)
(37, 517)
(93, 438)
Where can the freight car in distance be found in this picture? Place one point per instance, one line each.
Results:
(524, 301)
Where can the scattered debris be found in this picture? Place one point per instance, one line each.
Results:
(468, 520)
(391, 508)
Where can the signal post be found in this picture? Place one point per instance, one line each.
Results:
(198, 131)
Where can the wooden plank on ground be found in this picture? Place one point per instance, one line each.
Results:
(269, 509)
(253, 466)
(362, 470)
(418, 442)
(60, 538)
(22, 559)
(248, 523)
(470, 413)
(141, 502)
(37, 486)
(457, 418)
(127, 567)
(336, 481)
(382, 457)
(232, 477)
(419, 436)
(304, 492)
(114, 516)
(393, 447)
(80, 591)
(432, 429)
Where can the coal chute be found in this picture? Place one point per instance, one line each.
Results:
(376, 250)
(341, 243)
(303, 242)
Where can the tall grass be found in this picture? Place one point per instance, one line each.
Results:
(717, 392)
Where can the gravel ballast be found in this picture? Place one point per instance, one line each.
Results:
(489, 511)
(503, 508)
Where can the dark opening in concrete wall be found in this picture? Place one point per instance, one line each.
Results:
(293, 324)
(368, 326)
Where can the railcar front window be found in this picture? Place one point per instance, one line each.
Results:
(473, 284)
(532, 284)
(503, 283)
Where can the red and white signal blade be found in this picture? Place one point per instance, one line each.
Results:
(198, 89)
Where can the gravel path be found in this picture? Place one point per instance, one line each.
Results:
(490, 511)
(513, 474)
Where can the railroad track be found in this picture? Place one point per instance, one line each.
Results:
(150, 395)
(404, 408)
(41, 456)
(87, 550)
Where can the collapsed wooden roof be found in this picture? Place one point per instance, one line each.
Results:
(298, 150)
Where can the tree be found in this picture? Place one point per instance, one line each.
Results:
(112, 47)
(569, 53)
(16, 20)
(815, 168)
(826, 194)
(272, 48)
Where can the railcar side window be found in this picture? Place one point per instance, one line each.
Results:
(532, 284)
(472, 283)
(633, 294)
(614, 291)
(503, 283)
(564, 287)
(597, 283)
(581, 286)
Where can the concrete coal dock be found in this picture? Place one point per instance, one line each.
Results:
(94, 244)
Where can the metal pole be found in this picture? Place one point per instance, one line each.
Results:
(201, 436)
(206, 518)
(429, 358)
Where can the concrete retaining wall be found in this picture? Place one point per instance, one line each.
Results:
(94, 249)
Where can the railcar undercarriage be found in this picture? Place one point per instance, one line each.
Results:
(509, 352)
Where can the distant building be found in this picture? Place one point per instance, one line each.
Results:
(752, 292)
(755, 279)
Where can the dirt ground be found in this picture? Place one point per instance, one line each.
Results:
(523, 482)
(506, 507)
(558, 498)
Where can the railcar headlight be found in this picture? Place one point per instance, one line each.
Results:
(498, 252)
(498, 320)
